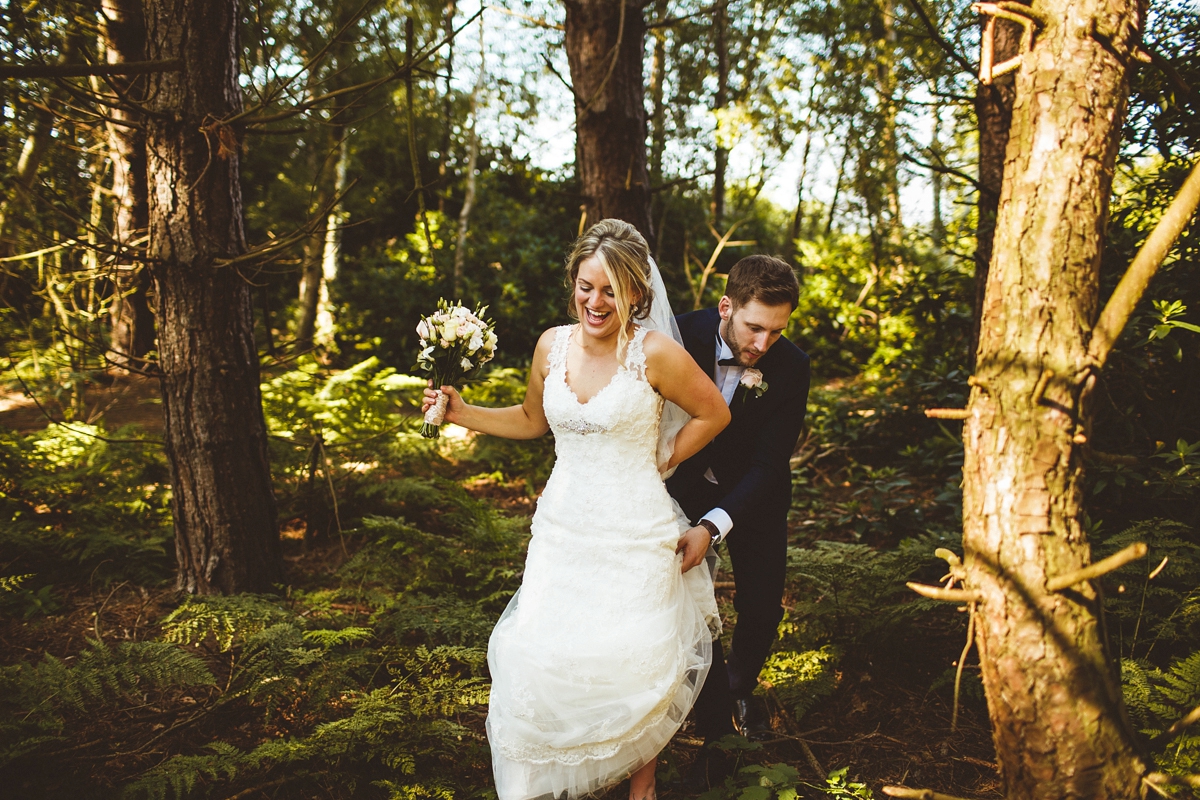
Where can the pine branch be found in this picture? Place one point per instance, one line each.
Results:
(31, 71)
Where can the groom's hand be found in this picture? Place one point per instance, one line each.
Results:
(694, 545)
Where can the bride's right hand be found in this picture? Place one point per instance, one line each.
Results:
(454, 405)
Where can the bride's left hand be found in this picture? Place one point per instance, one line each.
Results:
(694, 546)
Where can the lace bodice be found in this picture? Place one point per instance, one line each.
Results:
(626, 410)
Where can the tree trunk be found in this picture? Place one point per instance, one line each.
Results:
(937, 230)
(890, 216)
(464, 215)
(789, 245)
(720, 101)
(993, 114)
(226, 532)
(331, 255)
(1058, 721)
(604, 40)
(132, 320)
(447, 107)
(322, 168)
(658, 109)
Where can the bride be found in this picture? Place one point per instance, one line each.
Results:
(601, 653)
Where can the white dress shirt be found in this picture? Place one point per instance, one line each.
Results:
(727, 379)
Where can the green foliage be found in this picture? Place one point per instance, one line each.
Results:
(76, 509)
(846, 592)
(1158, 698)
(838, 786)
(228, 620)
(531, 459)
(395, 727)
(800, 679)
(1153, 615)
(37, 701)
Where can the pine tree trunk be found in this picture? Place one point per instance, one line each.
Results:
(226, 532)
(1058, 721)
(610, 118)
(993, 114)
(132, 334)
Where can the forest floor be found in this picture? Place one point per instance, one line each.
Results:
(883, 721)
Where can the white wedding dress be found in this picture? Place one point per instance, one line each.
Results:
(601, 653)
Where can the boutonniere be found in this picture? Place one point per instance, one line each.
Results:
(753, 381)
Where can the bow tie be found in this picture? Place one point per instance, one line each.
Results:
(728, 362)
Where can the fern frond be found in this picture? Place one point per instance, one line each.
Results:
(228, 620)
(176, 778)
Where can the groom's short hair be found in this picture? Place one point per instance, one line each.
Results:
(767, 279)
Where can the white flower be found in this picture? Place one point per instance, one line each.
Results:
(466, 364)
(450, 330)
(476, 341)
(426, 354)
(422, 330)
(460, 312)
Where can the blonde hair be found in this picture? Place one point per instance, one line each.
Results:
(625, 256)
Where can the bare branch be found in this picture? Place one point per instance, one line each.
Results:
(937, 37)
(667, 22)
(1145, 264)
(29, 71)
(917, 794)
(945, 595)
(1180, 725)
(1103, 567)
(947, 413)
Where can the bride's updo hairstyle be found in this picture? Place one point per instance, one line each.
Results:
(625, 256)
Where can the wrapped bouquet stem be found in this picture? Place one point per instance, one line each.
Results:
(455, 343)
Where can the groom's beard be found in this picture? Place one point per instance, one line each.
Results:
(743, 357)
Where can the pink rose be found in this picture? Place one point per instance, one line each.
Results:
(751, 378)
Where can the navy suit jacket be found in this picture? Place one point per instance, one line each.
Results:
(750, 457)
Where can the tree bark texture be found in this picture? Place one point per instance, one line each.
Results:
(226, 532)
(1059, 725)
(132, 320)
(605, 44)
(993, 114)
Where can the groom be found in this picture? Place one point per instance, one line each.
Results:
(738, 489)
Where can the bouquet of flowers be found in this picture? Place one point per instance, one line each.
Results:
(455, 343)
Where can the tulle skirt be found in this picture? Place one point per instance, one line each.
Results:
(595, 663)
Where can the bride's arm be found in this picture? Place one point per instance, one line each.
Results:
(677, 377)
(526, 421)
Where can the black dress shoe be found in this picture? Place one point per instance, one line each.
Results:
(750, 717)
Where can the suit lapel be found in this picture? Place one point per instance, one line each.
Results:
(703, 345)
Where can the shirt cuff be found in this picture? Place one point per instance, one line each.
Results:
(722, 520)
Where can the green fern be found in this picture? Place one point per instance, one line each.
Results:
(37, 700)
(1157, 698)
(228, 620)
(177, 777)
(800, 679)
(10, 583)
